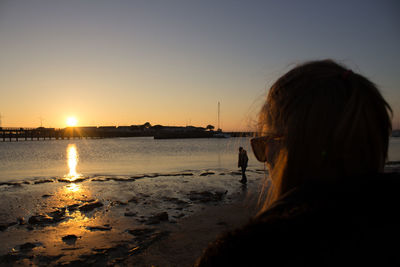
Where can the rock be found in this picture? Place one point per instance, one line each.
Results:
(46, 195)
(21, 220)
(130, 214)
(99, 228)
(123, 179)
(154, 175)
(79, 180)
(40, 219)
(52, 217)
(43, 181)
(207, 173)
(69, 239)
(73, 207)
(58, 215)
(156, 219)
(4, 226)
(87, 200)
(27, 246)
(66, 180)
(99, 180)
(137, 176)
(90, 206)
(16, 184)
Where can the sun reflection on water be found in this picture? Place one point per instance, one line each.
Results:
(72, 158)
(73, 187)
(66, 202)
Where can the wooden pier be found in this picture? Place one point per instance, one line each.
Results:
(41, 133)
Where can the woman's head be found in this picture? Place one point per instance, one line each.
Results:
(330, 122)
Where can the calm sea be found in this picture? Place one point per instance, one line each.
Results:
(125, 156)
(118, 156)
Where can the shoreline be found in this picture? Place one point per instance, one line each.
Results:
(102, 220)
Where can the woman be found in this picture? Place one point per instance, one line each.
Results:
(324, 133)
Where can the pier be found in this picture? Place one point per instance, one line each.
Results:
(16, 134)
(41, 133)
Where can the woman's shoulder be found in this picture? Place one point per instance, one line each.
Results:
(316, 219)
(244, 246)
(264, 235)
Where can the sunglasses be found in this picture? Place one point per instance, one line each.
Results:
(259, 145)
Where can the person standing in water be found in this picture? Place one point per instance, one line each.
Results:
(242, 163)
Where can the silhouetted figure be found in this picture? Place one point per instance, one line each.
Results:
(242, 163)
(324, 134)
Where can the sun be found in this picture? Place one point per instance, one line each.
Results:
(72, 121)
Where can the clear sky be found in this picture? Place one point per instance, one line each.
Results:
(170, 62)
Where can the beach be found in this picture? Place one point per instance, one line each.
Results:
(124, 202)
(160, 219)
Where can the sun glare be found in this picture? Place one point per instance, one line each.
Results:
(72, 157)
(72, 121)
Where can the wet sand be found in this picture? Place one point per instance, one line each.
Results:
(143, 220)
(192, 235)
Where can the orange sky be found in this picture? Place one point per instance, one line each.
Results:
(124, 63)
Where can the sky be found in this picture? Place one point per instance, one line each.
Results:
(171, 62)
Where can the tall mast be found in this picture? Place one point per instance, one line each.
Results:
(218, 116)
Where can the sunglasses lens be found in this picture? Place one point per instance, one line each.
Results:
(258, 147)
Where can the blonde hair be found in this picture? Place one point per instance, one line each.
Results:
(335, 124)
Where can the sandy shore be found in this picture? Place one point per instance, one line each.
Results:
(191, 236)
(144, 220)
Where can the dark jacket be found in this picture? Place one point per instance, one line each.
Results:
(353, 223)
(243, 159)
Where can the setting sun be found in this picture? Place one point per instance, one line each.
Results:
(72, 121)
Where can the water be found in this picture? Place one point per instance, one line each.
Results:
(394, 149)
(119, 156)
(141, 177)
(126, 156)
